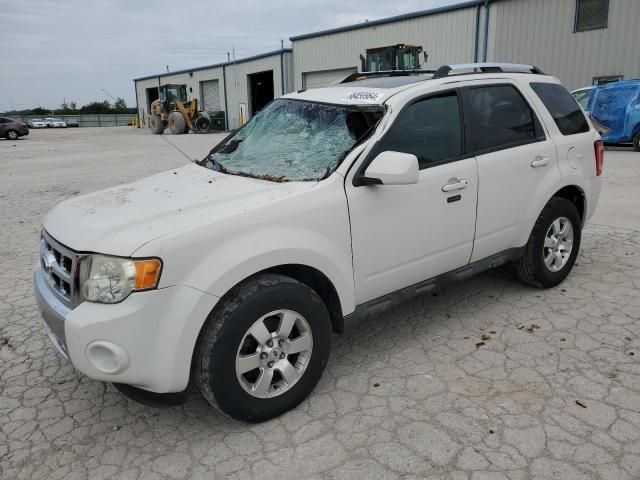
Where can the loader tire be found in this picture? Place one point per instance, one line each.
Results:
(156, 124)
(176, 123)
(203, 124)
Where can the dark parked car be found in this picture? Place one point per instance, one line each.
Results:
(72, 123)
(12, 129)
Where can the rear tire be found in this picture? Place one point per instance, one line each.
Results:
(203, 123)
(260, 321)
(553, 245)
(636, 142)
(176, 123)
(156, 124)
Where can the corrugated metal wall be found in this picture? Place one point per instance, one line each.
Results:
(541, 32)
(448, 37)
(238, 82)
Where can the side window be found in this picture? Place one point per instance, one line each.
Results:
(562, 107)
(431, 129)
(500, 118)
(591, 14)
(4, 120)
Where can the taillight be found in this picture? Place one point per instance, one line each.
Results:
(599, 146)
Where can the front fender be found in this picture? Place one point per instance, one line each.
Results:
(228, 264)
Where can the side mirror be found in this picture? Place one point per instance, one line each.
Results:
(392, 168)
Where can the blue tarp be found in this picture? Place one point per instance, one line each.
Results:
(617, 107)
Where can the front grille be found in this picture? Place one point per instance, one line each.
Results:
(61, 267)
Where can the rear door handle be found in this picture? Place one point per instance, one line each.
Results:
(540, 161)
(454, 184)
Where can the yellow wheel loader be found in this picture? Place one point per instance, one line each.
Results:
(173, 110)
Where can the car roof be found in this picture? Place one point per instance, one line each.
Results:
(377, 90)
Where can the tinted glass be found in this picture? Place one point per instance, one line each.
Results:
(430, 129)
(500, 118)
(562, 107)
(591, 14)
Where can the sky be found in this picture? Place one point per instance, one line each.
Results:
(75, 50)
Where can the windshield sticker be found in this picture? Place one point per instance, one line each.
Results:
(364, 96)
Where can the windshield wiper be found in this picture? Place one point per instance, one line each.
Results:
(231, 146)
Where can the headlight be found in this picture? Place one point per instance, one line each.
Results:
(112, 279)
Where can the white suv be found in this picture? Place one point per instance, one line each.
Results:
(329, 205)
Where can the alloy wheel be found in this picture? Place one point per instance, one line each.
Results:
(274, 354)
(558, 244)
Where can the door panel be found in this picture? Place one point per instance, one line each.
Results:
(517, 165)
(404, 234)
(509, 184)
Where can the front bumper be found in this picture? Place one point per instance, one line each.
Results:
(53, 312)
(146, 341)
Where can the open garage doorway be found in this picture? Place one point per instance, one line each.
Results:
(152, 96)
(260, 90)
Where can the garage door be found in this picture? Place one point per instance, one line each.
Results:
(325, 77)
(210, 95)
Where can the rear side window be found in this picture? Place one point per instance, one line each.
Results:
(500, 118)
(562, 107)
(430, 129)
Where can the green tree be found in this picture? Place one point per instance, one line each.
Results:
(97, 107)
(40, 111)
(120, 105)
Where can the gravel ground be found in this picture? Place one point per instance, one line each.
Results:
(553, 393)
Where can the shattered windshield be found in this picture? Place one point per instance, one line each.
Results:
(293, 141)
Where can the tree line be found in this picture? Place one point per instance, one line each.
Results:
(71, 108)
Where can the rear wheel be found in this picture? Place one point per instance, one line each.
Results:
(636, 142)
(553, 245)
(264, 349)
(176, 123)
(156, 124)
(12, 135)
(203, 123)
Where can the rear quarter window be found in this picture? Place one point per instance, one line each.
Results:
(563, 108)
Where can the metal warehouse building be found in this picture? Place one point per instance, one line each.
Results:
(239, 88)
(579, 41)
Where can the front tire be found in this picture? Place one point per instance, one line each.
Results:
(156, 124)
(176, 123)
(12, 135)
(636, 142)
(553, 245)
(263, 350)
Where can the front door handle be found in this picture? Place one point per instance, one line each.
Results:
(454, 184)
(540, 161)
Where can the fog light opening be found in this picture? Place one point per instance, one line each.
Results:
(107, 357)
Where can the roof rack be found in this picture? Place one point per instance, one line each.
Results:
(385, 73)
(446, 70)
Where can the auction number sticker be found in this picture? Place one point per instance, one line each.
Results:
(364, 96)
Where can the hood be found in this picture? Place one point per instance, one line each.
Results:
(120, 220)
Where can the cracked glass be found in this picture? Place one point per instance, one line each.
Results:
(293, 141)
